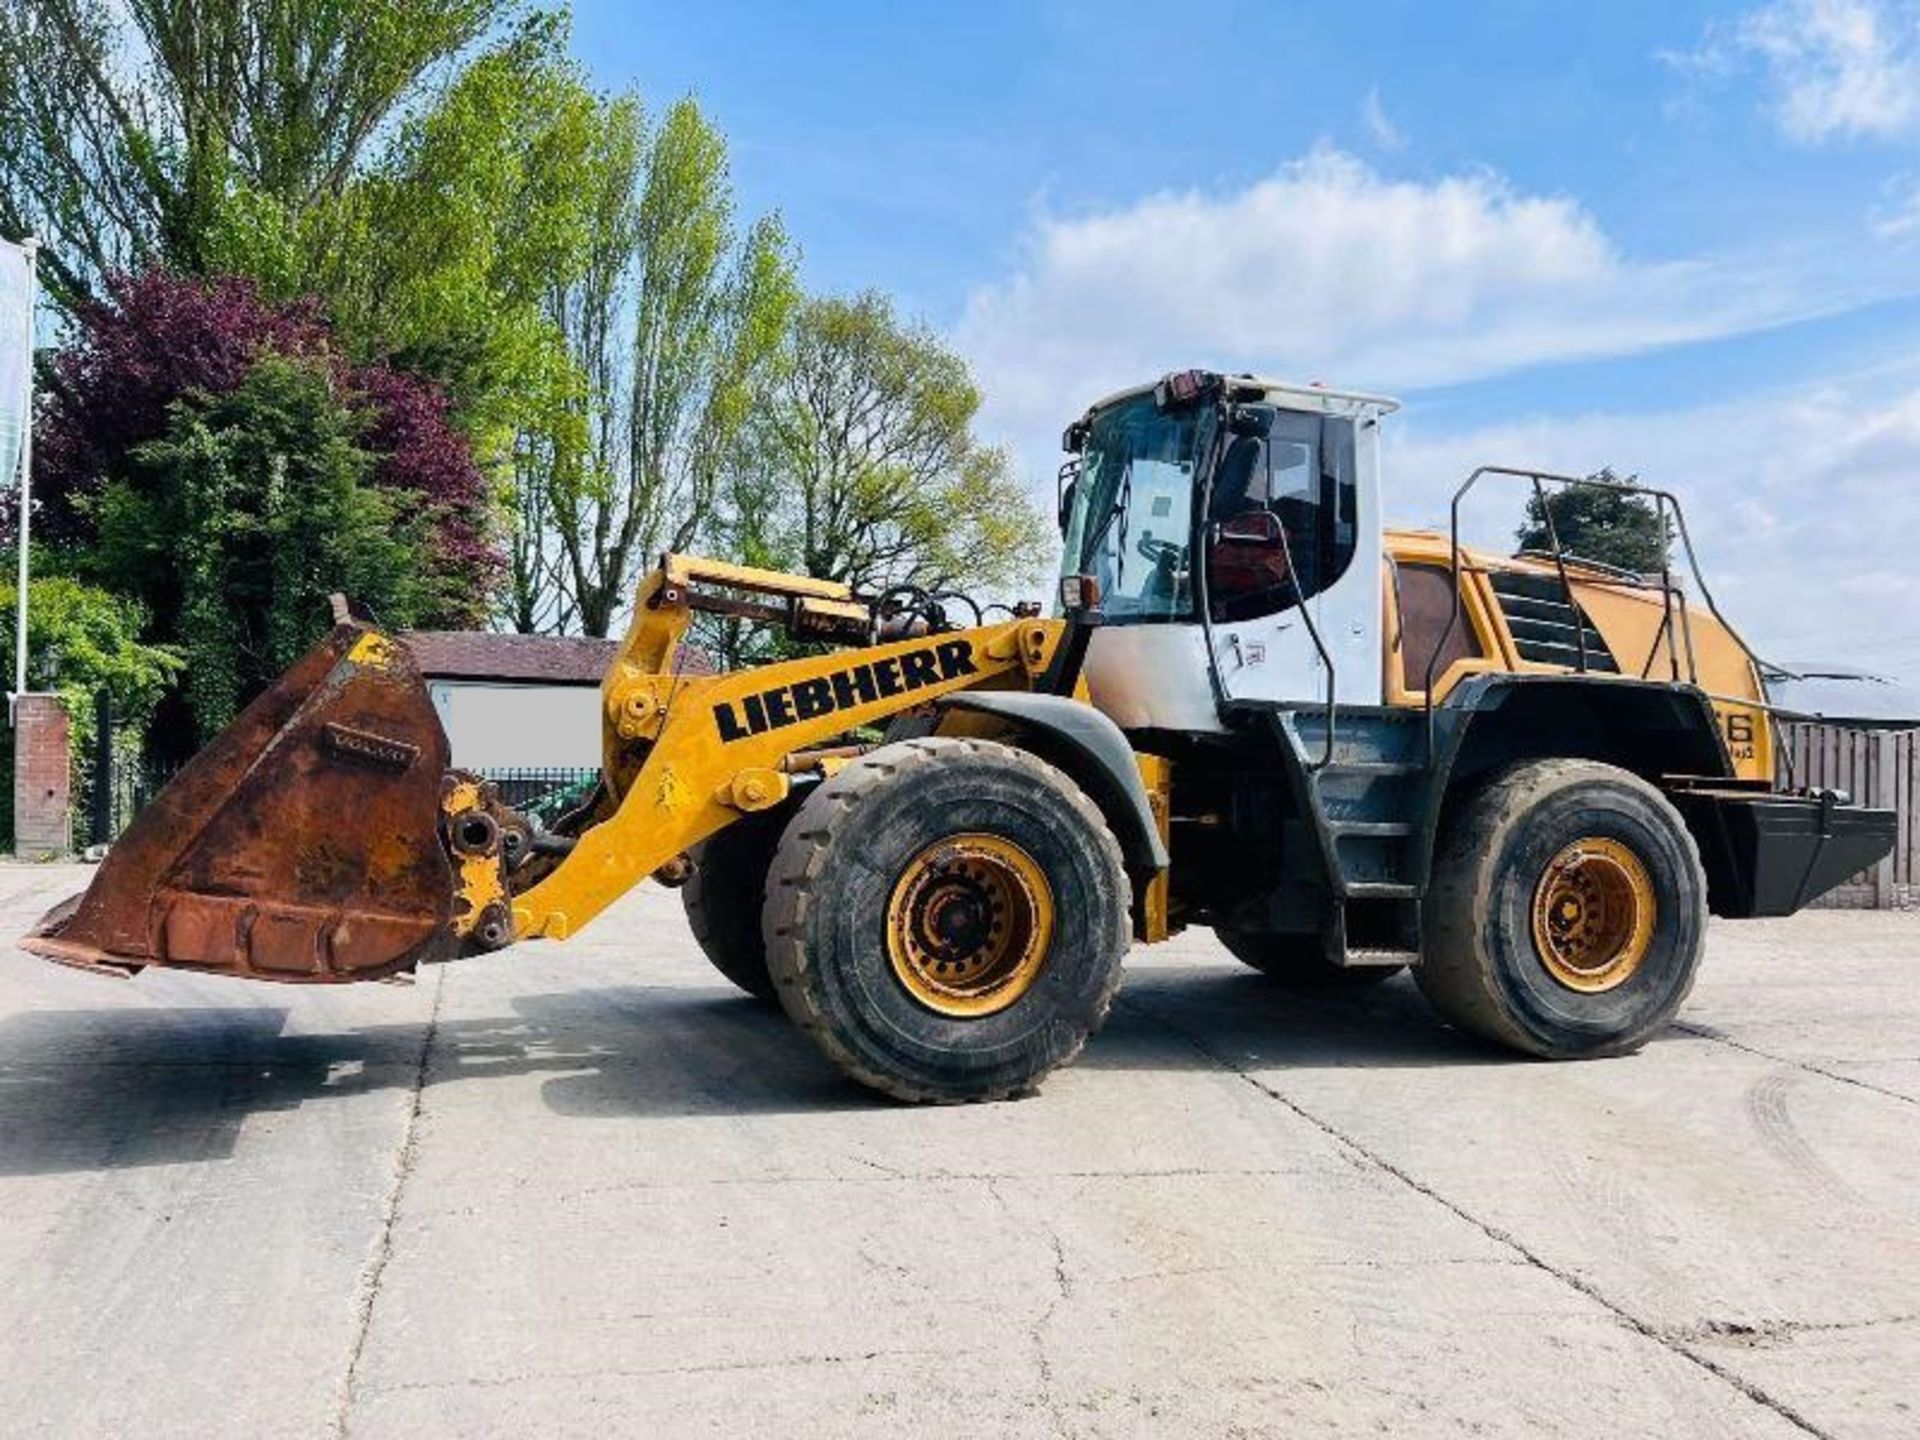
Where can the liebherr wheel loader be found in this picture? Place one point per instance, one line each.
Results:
(1347, 750)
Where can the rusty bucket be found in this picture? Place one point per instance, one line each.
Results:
(302, 845)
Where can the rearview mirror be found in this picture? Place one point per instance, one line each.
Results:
(1066, 502)
(1249, 527)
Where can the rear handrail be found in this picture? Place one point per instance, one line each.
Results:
(1674, 636)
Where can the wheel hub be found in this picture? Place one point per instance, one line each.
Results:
(968, 925)
(1593, 915)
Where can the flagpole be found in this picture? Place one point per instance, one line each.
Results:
(32, 248)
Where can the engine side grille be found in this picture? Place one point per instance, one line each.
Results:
(1546, 629)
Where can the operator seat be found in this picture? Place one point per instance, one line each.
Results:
(1244, 580)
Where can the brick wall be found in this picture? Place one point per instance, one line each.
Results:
(42, 778)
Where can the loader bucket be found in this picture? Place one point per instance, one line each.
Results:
(301, 845)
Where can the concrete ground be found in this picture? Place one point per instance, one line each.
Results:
(588, 1190)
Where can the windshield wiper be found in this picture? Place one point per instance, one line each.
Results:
(1120, 501)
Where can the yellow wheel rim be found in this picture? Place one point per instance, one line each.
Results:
(1593, 915)
(969, 924)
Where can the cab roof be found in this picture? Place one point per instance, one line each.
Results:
(1288, 394)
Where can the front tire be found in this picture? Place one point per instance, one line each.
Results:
(946, 918)
(1566, 914)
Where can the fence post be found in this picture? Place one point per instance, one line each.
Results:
(1886, 796)
(100, 823)
(42, 778)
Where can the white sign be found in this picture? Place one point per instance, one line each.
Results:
(16, 356)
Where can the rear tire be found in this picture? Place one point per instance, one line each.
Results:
(1299, 962)
(946, 918)
(726, 893)
(1566, 914)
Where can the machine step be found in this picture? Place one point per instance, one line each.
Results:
(1384, 829)
(1381, 890)
(1372, 767)
(1366, 958)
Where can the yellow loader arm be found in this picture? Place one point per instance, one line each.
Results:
(688, 754)
(324, 838)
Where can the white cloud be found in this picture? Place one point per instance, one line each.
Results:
(1327, 269)
(1803, 504)
(1385, 133)
(1837, 68)
(1899, 222)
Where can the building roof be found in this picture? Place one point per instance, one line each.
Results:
(514, 659)
(1842, 694)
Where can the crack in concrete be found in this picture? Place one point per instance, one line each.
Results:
(1757, 1334)
(1707, 1032)
(1571, 1280)
(1062, 1281)
(1037, 1331)
(367, 1290)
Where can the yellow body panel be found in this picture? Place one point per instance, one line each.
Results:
(1696, 649)
(1156, 776)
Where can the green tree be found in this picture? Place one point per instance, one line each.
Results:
(171, 131)
(261, 508)
(860, 463)
(81, 641)
(445, 253)
(673, 324)
(576, 451)
(1613, 526)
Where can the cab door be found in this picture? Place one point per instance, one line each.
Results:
(1293, 559)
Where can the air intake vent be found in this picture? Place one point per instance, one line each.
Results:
(1546, 629)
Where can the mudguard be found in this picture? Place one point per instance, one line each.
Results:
(1093, 750)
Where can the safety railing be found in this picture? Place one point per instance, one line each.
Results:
(1675, 632)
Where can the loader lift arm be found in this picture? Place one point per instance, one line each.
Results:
(324, 838)
(688, 754)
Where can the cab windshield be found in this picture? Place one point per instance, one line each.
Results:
(1131, 524)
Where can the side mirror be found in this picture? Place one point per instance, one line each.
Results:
(1249, 527)
(1066, 502)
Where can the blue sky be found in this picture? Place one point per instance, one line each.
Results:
(1676, 239)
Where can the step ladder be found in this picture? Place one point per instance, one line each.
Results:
(1367, 798)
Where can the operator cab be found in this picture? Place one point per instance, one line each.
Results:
(1227, 530)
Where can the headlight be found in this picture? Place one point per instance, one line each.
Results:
(1079, 592)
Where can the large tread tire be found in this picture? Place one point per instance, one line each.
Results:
(826, 915)
(726, 894)
(1299, 963)
(1482, 968)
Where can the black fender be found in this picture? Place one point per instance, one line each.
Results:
(1653, 728)
(1073, 736)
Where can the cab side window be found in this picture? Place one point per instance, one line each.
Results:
(1283, 517)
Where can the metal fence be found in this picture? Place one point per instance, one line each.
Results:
(1875, 767)
(544, 793)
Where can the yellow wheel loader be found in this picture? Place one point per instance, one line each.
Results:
(1345, 749)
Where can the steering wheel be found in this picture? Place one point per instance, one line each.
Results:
(1160, 552)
